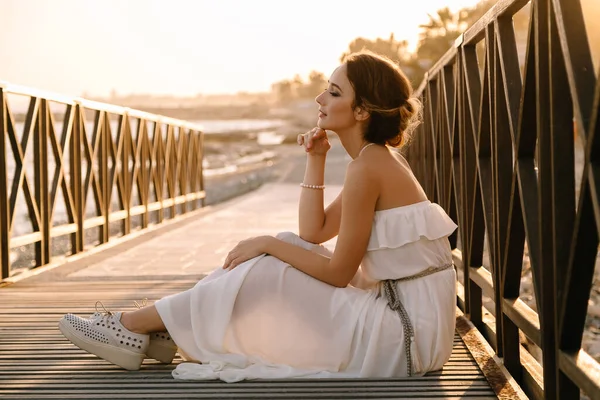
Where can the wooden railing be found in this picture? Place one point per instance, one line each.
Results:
(496, 150)
(116, 170)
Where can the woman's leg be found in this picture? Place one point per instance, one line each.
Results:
(144, 320)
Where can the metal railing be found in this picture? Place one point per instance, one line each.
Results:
(496, 150)
(116, 170)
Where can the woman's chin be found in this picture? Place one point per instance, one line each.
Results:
(321, 124)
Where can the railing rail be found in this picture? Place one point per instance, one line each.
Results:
(117, 170)
(496, 150)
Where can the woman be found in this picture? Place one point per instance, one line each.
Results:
(381, 305)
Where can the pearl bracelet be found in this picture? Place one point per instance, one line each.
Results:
(304, 185)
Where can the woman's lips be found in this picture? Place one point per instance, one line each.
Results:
(321, 114)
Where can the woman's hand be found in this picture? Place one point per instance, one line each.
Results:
(315, 142)
(245, 250)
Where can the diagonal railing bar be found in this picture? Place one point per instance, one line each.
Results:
(472, 108)
(149, 166)
(521, 131)
(169, 168)
(525, 149)
(91, 154)
(178, 160)
(428, 115)
(137, 159)
(125, 128)
(103, 177)
(179, 153)
(143, 181)
(151, 153)
(58, 179)
(509, 68)
(578, 59)
(20, 179)
(483, 140)
(456, 179)
(511, 279)
(448, 104)
(432, 108)
(108, 167)
(116, 173)
(192, 162)
(158, 171)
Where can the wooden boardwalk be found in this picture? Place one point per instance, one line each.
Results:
(37, 362)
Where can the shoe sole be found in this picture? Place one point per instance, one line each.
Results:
(164, 354)
(123, 358)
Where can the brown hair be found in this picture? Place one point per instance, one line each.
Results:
(383, 90)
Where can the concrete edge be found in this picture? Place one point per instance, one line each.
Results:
(115, 246)
(500, 380)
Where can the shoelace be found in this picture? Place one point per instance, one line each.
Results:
(101, 313)
(142, 305)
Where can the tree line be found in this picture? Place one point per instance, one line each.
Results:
(436, 37)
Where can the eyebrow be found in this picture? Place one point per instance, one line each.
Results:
(333, 84)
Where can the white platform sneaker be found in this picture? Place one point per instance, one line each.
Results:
(162, 348)
(104, 336)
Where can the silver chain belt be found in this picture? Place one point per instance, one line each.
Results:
(391, 293)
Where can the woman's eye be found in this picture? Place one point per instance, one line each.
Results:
(334, 94)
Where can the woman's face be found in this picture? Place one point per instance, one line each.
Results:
(335, 103)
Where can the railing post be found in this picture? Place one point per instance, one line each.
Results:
(563, 187)
(76, 183)
(471, 201)
(4, 215)
(103, 174)
(126, 131)
(546, 297)
(40, 142)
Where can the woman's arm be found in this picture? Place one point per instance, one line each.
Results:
(315, 223)
(311, 213)
(358, 208)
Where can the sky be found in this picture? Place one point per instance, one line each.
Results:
(186, 47)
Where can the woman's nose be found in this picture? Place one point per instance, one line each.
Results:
(319, 98)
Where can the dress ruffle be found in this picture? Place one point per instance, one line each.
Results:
(401, 225)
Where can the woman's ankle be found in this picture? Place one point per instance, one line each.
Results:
(129, 323)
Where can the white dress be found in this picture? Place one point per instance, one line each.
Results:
(267, 320)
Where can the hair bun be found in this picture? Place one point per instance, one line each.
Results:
(410, 118)
(382, 89)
